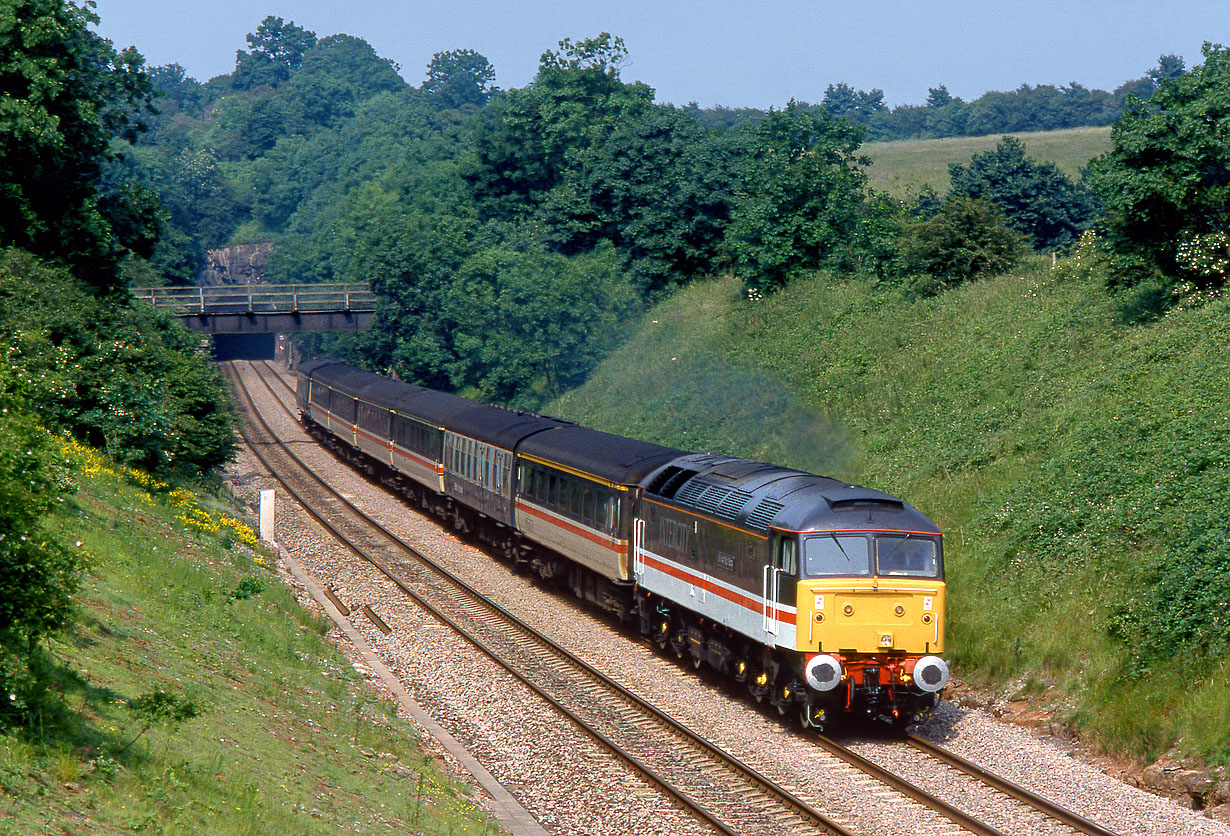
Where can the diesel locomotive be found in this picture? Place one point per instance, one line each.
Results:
(823, 598)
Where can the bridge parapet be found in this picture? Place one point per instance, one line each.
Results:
(260, 299)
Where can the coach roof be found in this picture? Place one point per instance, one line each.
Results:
(499, 426)
(610, 457)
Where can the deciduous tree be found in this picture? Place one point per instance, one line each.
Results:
(1166, 184)
(802, 195)
(67, 95)
(1039, 201)
(276, 50)
(458, 78)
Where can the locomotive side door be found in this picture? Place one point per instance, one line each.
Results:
(780, 569)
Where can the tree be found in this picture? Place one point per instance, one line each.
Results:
(115, 374)
(531, 325)
(939, 96)
(661, 188)
(967, 239)
(1166, 184)
(526, 141)
(844, 101)
(459, 78)
(67, 96)
(1039, 201)
(801, 196)
(277, 50)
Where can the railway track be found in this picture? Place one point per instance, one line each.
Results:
(554, 670)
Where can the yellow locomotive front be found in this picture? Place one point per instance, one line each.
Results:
(870, 621)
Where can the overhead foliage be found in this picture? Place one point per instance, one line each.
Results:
(803, 189)
(67, 96)
(1166, 187)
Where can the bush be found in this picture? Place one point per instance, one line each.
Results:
(967, 239)
(114, 374)
(37, 573)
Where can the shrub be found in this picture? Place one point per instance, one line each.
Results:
(37, 573)
(967, 239)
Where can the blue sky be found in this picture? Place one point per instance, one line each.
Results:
(723, 52)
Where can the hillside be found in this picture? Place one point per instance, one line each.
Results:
(1079, 467)
(903, 167)
(195, 695)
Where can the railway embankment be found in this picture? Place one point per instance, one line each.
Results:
(1077, 464)
(196, 695)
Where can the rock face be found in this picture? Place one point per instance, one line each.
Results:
(242, 264)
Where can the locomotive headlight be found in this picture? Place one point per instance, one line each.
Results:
(930, 673)
(823, 672)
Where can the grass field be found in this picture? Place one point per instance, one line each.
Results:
(181, 605)
(902, 168)
(1078, 466)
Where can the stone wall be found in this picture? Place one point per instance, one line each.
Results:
(242, 264)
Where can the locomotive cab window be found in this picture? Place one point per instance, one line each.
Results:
(837, 555)
(907, 555)
(786, 560)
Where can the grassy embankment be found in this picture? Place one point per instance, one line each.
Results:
(1062, 452)
(902, 168)
(287, 738)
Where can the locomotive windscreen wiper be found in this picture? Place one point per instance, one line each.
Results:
(839, 548)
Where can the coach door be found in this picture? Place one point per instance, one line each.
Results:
(638, 548)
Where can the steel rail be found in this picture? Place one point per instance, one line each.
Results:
(1042, 805)
(749, 774)
(903, 786)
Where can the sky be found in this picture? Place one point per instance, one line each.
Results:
(720, 52)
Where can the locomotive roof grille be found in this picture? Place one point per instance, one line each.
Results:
(764, 513)
(669, 481)
(713, 499)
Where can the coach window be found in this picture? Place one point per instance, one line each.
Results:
(589, 513)
(610, 512)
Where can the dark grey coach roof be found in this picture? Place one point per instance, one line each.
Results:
(429, 405)
(501, 427)
(610, 457)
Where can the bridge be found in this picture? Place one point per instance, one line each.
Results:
(266, 309)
